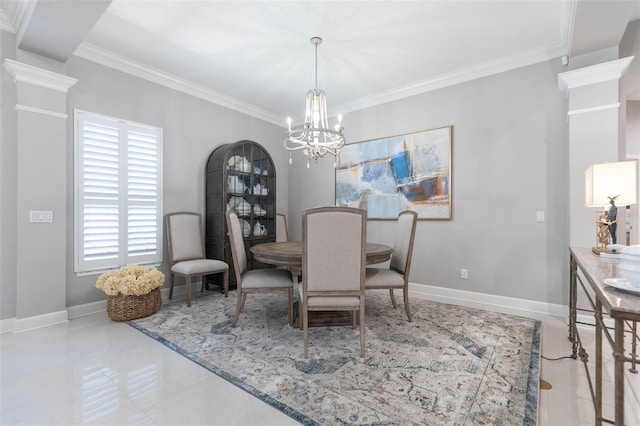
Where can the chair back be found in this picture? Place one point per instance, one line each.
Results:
(403, 246)
(333, 249)
(282, 234)
(238, 252)
(184, 236)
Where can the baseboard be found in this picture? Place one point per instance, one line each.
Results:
(418, 290)
(502, 303)
(490, 300)
(179, 293)
(6, 325)
(86, 309)
(589, 320)
(19, 325)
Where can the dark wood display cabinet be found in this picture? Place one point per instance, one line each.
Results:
(239, 176)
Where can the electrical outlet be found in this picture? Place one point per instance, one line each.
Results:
(464, 274)
(540, 216)
(40, 216)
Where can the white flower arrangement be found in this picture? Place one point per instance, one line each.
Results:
(136, 280)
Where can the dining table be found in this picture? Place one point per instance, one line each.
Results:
(289, 253)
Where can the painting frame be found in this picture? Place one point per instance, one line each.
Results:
(410, 171)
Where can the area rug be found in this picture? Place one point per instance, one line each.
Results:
(452, 365)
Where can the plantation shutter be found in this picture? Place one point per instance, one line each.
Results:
(118, 193)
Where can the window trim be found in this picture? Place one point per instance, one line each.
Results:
(83, 267)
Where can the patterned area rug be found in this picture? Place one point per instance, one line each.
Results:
(451, 366)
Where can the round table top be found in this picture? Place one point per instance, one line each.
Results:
(289, 253)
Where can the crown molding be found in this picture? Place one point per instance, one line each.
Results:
(570, 21)
(485, 69)
(593, 74)
(103, 57)
(12, 15)
(38, 76)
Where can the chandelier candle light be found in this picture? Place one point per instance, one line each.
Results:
(314, 137)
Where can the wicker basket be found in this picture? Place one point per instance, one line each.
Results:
(125, 308)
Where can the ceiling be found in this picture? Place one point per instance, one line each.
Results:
(255, 56)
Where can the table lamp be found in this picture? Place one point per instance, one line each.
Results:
(606, 185)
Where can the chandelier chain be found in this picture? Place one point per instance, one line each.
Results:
(316, 66)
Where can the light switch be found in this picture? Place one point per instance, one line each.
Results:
(539, 216)
(41, 216)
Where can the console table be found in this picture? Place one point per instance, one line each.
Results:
(588, 271)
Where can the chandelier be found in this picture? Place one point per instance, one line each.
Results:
(314, 137)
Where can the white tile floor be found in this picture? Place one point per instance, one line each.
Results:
(95, 371)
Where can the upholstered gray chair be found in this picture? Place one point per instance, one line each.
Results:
(186, 252)
(255, 280)
(282, 234)
(397, 275)
(333, 265)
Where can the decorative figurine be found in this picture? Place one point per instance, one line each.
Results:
(612, 218)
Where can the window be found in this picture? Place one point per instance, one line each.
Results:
(118, 193)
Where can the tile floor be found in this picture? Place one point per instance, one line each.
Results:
(95, 371)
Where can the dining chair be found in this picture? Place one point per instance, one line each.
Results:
(397, 275)
(255, 280)
(333, 265)
(282, 235)
(187, 255)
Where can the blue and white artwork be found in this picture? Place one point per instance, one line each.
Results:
(407, 172)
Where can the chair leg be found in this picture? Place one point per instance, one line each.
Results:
(239, 304)
(291, 306)
(406, 303)
(203, 280)
(300, 315)
(244, 299)
(188, 290)
(225, 279)
(362, 345)
(305, 331)
(393, 299)
(171, 287)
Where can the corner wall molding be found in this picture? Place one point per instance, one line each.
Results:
(38, 77)
(20, 107)
(593, 74)
(13, 14)
(593, 109)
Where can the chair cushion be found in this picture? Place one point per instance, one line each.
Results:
(267, 278)
(334, 302)
(383, 278)
(199, 267)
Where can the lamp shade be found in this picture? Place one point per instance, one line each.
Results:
(619, 180)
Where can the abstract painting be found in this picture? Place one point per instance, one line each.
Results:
(405, 172)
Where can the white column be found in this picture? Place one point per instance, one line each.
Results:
(593, 95)
(42, 150)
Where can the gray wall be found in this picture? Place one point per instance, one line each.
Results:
(509, 161)
(8, 187)
(192, 129)
(630, 111)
